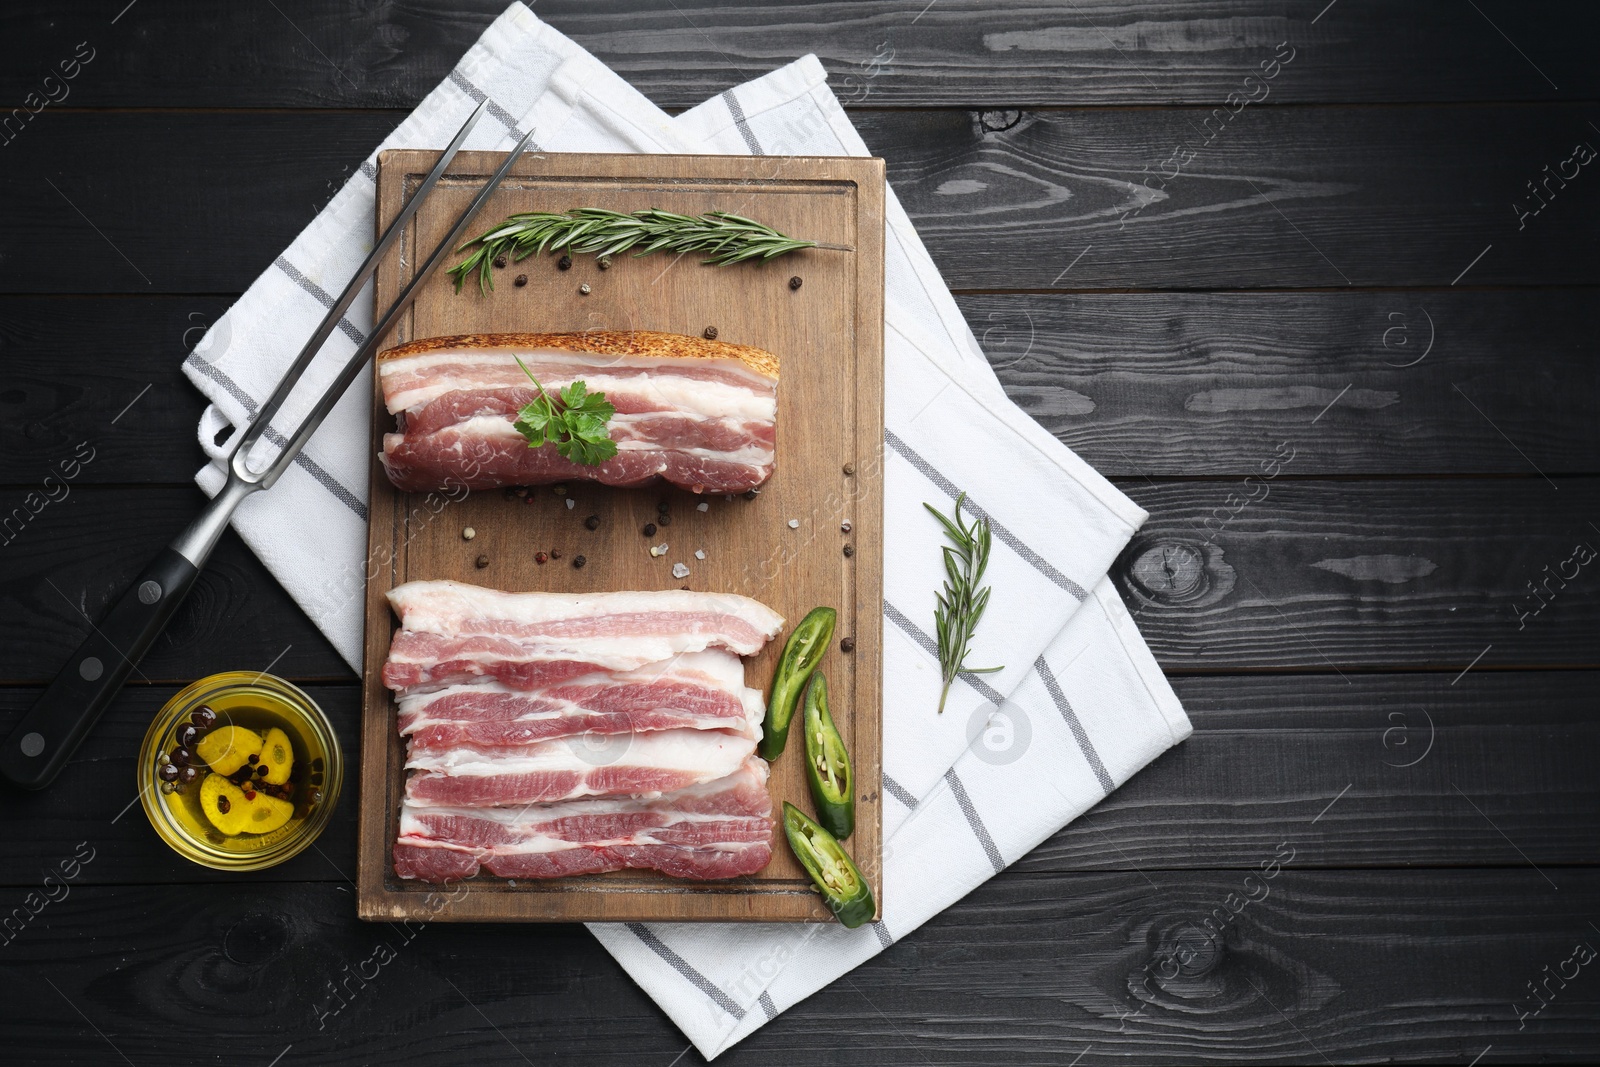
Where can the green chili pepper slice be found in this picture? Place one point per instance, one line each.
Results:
(828, 763)
(836, 877)
(800, 657)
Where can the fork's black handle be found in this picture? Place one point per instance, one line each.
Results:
(40, 745)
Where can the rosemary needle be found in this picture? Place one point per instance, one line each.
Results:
(962, 601)
(723, 237)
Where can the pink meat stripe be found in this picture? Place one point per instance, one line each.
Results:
(553, 734)
(720, 829)
(705, 424)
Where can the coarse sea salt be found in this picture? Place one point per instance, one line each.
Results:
(794, 524)
(699, 553)
(702, 506)
(680, 570)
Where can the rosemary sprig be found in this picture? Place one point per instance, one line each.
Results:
(962, 602)
(725, 238)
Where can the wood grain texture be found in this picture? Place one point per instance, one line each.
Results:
(1169, 385)
(1029, 969)
(136, 408)
(1274, 197)
(1325, 575)
(75, 555)
(827, 336)
(299, 53)
(1206, 384)
(1269, 753)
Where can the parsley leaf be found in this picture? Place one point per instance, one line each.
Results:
(574, 421)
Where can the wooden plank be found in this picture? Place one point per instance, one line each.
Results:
(1415, 966)
(1408, 757)
(1187, 384)
(106, 370)
(957, 53)
(1324, 575)
(1279, 198)
(827, 335)
(1175, 384)
(76, 554)
(1256, 599)
(1269, 753)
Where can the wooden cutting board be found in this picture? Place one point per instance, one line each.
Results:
(828, 337)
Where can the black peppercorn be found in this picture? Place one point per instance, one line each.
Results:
(849, 468)
(481, 562)
(795, 282)
(578, 561)
(499, 261)
(521, 280)
(592, 522)
(710, 333)
(847, 645)
(604, 263)
(663, 507)
(649, 529)
(664, 519)
(564, 263)
(849, 550)
(555, 553)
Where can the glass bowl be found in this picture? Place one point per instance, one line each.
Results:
(256, 702)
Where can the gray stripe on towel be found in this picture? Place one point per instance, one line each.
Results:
(687, 969)
(507, 120)
(305, 462)
(745, 131)
(899, 792)
(1006, 537)
(884, 937)
(767, 1006)
(1065, 707)
(320, 295)
(913, 631)
(980, 831)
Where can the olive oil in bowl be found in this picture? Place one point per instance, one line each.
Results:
(240, 771)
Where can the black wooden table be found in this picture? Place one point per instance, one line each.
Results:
(1368, 243)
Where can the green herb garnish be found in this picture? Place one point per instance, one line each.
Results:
(962, 602)
(575, 421)
(723, 237)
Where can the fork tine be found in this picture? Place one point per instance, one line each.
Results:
(319, 337)
(380, 329)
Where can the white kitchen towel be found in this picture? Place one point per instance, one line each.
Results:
(1095, 711)
(1086, 693)
(1057, 524)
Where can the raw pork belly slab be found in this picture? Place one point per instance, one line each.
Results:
(697, 690)
(554, 734)
(721, 829)
(453, 632)
(571, 767)
(698, 414)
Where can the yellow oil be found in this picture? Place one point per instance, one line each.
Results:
(259, 711)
